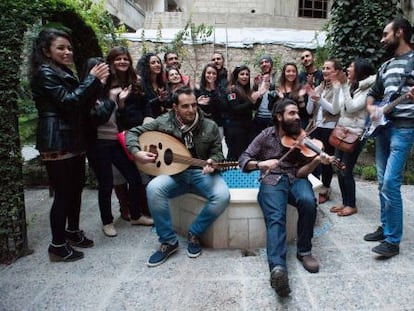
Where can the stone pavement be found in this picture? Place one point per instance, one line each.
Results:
(113, 274)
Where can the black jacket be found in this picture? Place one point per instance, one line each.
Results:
(62, 103)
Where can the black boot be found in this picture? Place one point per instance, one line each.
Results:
(121, 192)
(63, 252)
(78, 238)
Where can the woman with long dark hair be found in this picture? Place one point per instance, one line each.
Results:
(289, 87)
(130, 109)
(61, 101)
(238, 129)
(210, 99)
(361, 76)
(150, 69)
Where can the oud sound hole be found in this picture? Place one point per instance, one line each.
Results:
(168, 157)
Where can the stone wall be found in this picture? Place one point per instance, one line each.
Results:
(198, 56)
(222, 19)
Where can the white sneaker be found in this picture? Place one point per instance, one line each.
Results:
(109, 230)
(143, 220)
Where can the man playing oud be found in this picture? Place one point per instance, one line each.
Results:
(201, 137)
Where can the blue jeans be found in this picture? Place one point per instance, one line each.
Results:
(346, 178)
(273, 200)
(164, 187)
(110, 152)
(392, 148)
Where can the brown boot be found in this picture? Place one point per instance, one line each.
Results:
(121, 192)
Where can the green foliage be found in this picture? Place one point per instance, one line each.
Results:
(321, 53)
(191, 33)
(96, 17)
(13, 240)
(27, 128)
(159, 46)
(196, 34)
(355, 29)
(369, 172)
(144, 44)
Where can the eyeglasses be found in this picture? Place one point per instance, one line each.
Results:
(172, 58)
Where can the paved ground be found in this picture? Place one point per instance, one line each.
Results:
(113, 274)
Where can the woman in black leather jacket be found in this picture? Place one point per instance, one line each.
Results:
(61, 103)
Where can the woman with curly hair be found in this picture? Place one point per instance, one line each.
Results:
(150, 69)
(62, 101)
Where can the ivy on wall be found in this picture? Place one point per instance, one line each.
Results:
(356, 26)
(18, 16)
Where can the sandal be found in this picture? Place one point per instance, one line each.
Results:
(347, 211)
(324, 195)
(336, 209)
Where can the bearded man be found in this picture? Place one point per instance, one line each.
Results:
(282, 183)
(310, 75)
(394, 142)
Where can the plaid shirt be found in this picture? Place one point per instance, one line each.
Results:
(267, 145)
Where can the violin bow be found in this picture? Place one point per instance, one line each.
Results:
(299, 141)
(264, 174)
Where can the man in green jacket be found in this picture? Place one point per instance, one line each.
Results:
(201, 137)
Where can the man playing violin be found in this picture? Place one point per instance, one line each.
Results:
(284, 182)
(201, 137)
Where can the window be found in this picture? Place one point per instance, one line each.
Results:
(313, 8)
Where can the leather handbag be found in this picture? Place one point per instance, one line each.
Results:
(343, 138)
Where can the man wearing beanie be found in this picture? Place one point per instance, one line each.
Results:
(263, 117)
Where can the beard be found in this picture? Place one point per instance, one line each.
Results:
(391, 47)
(308, 65)
(291, 128)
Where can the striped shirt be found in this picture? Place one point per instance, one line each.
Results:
(387, 83)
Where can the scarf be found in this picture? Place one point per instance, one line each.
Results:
(187, 129)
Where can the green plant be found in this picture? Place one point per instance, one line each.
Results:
(196, 34)
(356, 26)
(144, 44)
(369, 172)
(321, 53)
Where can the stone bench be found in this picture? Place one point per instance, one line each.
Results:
(240, 226)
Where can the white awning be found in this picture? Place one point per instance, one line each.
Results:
(241, 37)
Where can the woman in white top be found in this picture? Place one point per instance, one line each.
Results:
(324, 106)
(361, 76)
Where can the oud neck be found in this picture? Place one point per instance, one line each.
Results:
(188, 160)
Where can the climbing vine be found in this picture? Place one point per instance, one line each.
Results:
(355, 28)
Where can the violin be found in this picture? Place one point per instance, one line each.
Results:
(309, 147)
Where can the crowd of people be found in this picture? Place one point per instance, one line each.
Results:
(254, 116)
